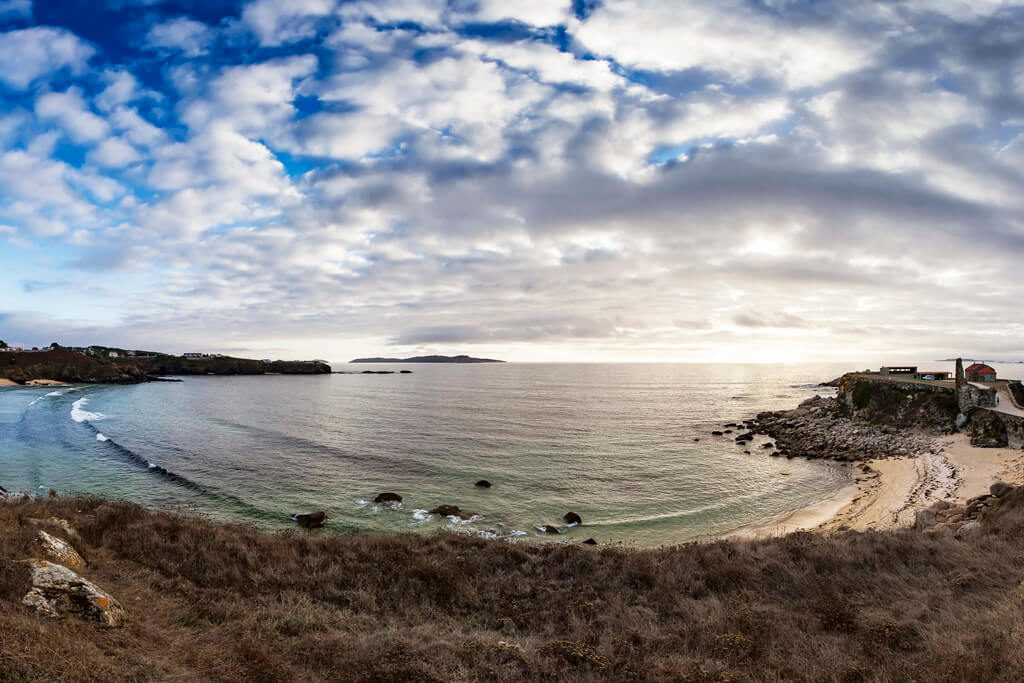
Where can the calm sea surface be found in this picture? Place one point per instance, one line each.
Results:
(614, 443)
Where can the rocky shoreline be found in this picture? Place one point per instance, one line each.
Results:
(817, 428)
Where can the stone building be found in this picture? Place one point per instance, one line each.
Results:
(979, 372)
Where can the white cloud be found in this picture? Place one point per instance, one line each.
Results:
(727, 37)
(33, 53)
(191, 38)
(427, 13)
(15, 9)
(70, 111)
(277, 23)
(536, 12)
(114, 153)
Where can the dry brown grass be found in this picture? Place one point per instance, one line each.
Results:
(214, 602)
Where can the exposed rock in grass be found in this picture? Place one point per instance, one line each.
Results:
(57, 591)
(58, 550)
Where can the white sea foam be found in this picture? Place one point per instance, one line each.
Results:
(80, 414)
(55, 393)
(420, 515)
(152, 465)
(100, 437)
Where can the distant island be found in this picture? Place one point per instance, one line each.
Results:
(428, 359)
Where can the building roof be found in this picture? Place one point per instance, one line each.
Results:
(981, 369)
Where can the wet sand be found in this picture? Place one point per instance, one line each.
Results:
(890, 492)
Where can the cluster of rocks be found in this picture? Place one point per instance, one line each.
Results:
(817, 429)
(963, 520)
(55, 589)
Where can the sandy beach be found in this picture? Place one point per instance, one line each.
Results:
(44, 383)
(887, 493)
(4, 382)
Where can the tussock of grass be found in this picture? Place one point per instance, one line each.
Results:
(214, 602)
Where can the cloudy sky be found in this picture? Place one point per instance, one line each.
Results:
(635, 180)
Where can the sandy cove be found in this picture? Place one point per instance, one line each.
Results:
(4, 382)
(887, 493)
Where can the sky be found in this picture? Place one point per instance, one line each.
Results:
(590, 180)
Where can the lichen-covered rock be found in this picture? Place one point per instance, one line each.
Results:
(58, 550)
(57, 591)
(56, 523)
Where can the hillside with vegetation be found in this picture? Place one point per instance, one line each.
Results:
(66, 365)
(206, 601)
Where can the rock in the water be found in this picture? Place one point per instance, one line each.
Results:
(768, 445)
(58, 550)
(590, 541)
(548, 529)
(452, 511)
(406, 372)
(56, 590)
(749, 436)
(483, 483)
(387, 497)
(572, 518)
(310, 520)
(1000, 488)
(696, 438)
(716, 433)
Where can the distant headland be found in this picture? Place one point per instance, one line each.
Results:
(109, 365)
(428, 359)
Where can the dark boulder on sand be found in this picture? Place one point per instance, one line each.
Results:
(310, 520)
(387, 497)
(572, 518)
(483, 483)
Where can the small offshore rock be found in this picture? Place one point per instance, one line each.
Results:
(768, 445)
(572, 518)
(405, 372)
(716, 433)
(56, 590)
(548, 529)
(310, 520)
(1000, 488)
(387, 497)
(483, 483)
(58, 550)
(590, 541)
(445, 510)
(749, 436)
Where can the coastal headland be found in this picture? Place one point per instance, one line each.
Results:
(117, 367)
(908, 444)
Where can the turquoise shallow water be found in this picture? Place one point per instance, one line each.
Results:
(614, 443)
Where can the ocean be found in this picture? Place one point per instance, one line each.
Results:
(615, 443)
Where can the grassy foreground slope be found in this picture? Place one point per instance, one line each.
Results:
(214, 602)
